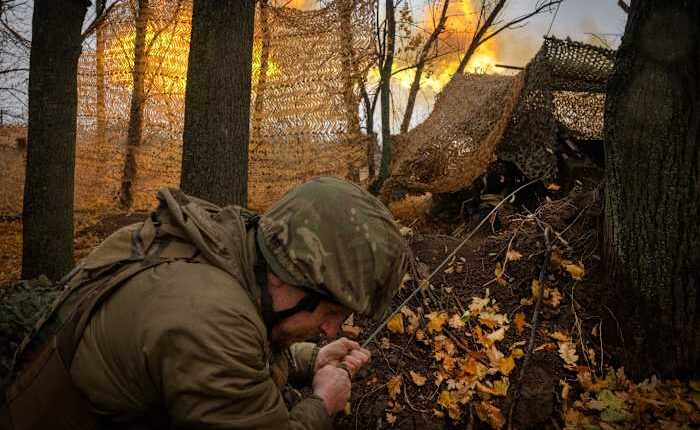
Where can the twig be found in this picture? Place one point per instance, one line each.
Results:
(533, 327)
(362, 398)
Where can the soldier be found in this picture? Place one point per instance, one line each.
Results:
(195, 318)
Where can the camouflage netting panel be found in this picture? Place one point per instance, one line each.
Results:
(456, 143)
(305, 107)
(564, 86)
(306, 69)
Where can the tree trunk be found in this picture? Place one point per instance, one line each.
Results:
(47, 216)
(385, 95)
(652, 234)
(138, 99)
(217, 101)
(420, 65)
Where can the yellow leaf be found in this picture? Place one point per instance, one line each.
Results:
(435, 321)
(554, 297)
(445, 399)
(552, 186)
(513, 255)
(390, 418)
(506, 365)
(490, 414)
(517, 353)
(394, 386)
(478, 304)
(417, 378)
(519, 322)
(576, 271)
(499, 270)
(395, 324)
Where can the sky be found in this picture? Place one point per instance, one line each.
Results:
(576, 19)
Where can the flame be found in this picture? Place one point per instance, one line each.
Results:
(166, 58)
(460, 25)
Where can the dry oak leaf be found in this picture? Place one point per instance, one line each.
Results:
(559, 336)
(413, 319)
(395, 324)
(492, 320)
(519, 322)
(490, 414)
(393, 386)
(552, 186)
(390, 418)
(567, 351)
(456, 322)
(417, 378)
(513, 255)
(478, 304)
(435, 321)
(497, 335)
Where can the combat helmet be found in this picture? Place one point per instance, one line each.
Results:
(337, 241)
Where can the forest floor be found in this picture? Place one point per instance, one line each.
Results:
(469, 351)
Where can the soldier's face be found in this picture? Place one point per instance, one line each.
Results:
(325, 320)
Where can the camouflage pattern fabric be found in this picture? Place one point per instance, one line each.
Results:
(21, 305)
(335, 238)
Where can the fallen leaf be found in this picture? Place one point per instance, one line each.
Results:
(435, 321)
(417, 378)
(506, 365)
(567, 351)
(456, 322)
(395, 324)
(478, 304)
(413, 319)
(445, 399)
(513, 255)
(393, 386)
(490, 414)
(553, 297)
(575, 270)
(519, 322)
(390, 418)
(497, 335)
(552, 186)
(559, 336)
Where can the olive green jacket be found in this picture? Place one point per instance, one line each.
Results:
(186, 339)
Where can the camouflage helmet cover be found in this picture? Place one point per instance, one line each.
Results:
(335, 238)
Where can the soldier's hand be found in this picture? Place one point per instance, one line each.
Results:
(344, 351)
(332, 384)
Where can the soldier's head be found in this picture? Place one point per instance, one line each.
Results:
(339, 250)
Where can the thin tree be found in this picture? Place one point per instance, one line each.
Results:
(652, 196)
(420, 65)
(138, 99)
(47, 216)
(217, 101)
(387, 62)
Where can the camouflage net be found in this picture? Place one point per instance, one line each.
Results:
(307, 67)
(454, 145)
(477, 118)
(564, 87)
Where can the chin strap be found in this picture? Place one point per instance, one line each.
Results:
(271, 317)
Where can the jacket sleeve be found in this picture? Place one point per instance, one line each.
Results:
(302, 358)
(209, 360)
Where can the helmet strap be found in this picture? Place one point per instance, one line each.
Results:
(272, 317)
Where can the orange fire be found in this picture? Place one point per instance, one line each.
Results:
(459, 28)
